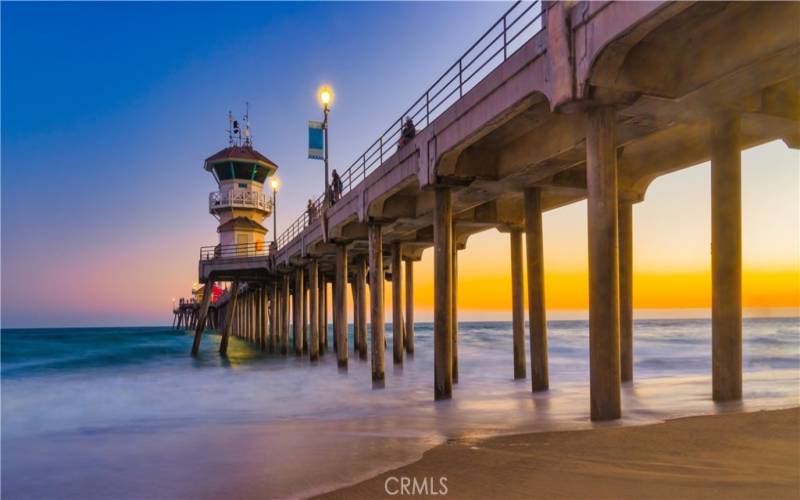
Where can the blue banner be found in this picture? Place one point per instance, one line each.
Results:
(316, 141)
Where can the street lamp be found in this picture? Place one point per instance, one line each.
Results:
(326, 98)
(275, 183)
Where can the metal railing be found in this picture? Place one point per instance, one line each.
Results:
(257, 249)
(239, 198)
(518, 25)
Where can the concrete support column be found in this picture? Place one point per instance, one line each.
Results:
(354, 296)
(601, 180)
(443, 293)
(625, 220)
(285, 315)
(297, 312)
(376, 299)
(409, 306)
(454, 307)
(322, 305)
(340, 303)
(223, 343)
(397, 305)
(517, 303)
(537, 317)
(726, 258)
(313, 304)
(361, 301)
(201, 322)
(305, 327)
(273, 317)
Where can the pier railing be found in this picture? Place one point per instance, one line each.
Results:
(257, 249)
(239, 198)
(515, 27)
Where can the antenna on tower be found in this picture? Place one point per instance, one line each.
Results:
(248, 141)
(230, 128)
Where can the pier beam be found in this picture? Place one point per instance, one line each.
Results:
(409, 331)
(201, 323)
(361, 301)
(517, 303)
(397, 305)
(601, 180)
(626, 289)
(726, 258)
(340, 302)
(297, 313)
(537, 316)
(313, 305)
(223, 343)
(376, 299)
(443, 293)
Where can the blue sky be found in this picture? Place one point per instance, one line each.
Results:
(108, 110)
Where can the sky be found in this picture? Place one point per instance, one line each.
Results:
(108, 110)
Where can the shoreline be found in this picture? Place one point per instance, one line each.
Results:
(727, 455)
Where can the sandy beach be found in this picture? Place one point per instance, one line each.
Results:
(746, 455)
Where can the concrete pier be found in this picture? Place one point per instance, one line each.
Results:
(313, 305)
(454, 305)
(442, 295)
(361, 303)
(354, 301)
(376, 299)
(285, 315)
(601, 180)
(340, 303)
(517, 303)
(409, 326)
(298, 326)
(397, 304)
(726, 258)
(626, 288)
(273, 317)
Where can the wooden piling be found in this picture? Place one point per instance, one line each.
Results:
(443, 293)
(376, 299)
(397, 304)
(223, 343)
(517, 303)
(537, 319)
(601, 180)
(340, 303)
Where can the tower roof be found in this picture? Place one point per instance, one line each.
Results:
(242, 223)
(242, 153)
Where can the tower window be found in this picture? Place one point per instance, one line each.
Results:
(243, 186)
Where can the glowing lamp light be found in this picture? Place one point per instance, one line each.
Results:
(275, 183)
(325, 95)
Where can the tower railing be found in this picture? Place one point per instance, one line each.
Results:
(515, 27)
(256, 249)
(239, 198)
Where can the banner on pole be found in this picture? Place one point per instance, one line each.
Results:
(316, 141)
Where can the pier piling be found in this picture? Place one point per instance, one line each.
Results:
(601, 180)
(223, 343)
(376, 299)
(517, 303)
(726, 258)
(397, 305)
(201, 323)
(313, 305)
(443, 296)
(626, 289)
(340, 303)
(537, 315)
(409, 329)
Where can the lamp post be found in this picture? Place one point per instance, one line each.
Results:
(275, 183)
(326, 97)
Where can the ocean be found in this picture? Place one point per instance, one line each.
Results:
(127, 413)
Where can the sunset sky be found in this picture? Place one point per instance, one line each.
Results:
(108, 111)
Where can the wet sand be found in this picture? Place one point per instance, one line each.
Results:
(745, 455)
